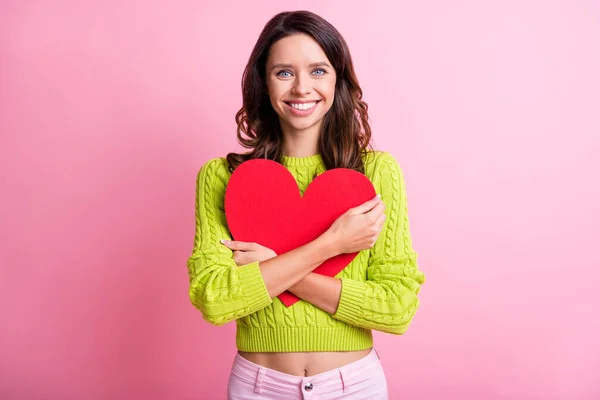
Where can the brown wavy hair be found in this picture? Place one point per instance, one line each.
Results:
(345, 135)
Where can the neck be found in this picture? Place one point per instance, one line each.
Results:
(304, 143)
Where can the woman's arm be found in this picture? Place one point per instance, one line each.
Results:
(281, 272)
(387, 299)
(220, 289)
(320, 290)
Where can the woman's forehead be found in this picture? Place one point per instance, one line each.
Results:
(297, 50)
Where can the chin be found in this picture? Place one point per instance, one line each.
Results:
(303, 127)
(298, 124)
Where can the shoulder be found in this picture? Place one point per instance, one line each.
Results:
(381, 165)
(385, 173)
(214, 174)
(215, 168)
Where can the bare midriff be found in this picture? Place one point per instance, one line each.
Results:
(304, 364)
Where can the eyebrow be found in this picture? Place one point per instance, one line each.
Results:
(317, 64)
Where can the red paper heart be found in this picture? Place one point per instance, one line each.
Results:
(263, 205)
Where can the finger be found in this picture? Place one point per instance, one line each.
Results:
(380, 222)
(377, 225)
(373, 216)
(377, 211)
(237, 245)
(366, 206)
(238, 257)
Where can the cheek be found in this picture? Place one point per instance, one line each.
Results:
(328, 91)
(276, 90)
(273, 101)
(274, 94)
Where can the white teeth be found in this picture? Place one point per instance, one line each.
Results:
(303, 106)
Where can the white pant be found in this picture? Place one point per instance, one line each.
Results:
(361, 379)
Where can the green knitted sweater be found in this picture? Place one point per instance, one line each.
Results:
(379, 287)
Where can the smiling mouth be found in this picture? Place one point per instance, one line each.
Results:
(302, 106)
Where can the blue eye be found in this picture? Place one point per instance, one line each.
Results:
(284, 72)
(322, 72)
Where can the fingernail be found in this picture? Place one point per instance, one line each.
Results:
(378, 196)
(223, 241)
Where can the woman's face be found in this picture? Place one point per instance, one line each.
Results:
(300, 82)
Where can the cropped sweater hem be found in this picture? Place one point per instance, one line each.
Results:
(303, 339)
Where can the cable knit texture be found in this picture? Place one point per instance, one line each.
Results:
(379, 287)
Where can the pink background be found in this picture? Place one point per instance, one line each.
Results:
(108, 109)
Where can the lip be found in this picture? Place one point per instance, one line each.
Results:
(301, 101)
(302, 113)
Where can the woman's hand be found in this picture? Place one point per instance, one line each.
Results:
(358, 228)
(246, 252)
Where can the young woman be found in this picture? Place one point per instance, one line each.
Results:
(303, 107)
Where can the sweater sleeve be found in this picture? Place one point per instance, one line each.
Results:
(220, 289)
(387, 299)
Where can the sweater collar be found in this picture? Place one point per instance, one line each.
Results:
(301, 161)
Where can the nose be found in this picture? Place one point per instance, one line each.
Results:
(301, 85)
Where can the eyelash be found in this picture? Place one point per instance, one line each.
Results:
(319, 69)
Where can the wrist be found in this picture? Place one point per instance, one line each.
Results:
(328, 245)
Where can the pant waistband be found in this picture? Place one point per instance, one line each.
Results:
(329, 380)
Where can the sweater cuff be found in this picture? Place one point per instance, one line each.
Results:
(351, 301)
(254, 288)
